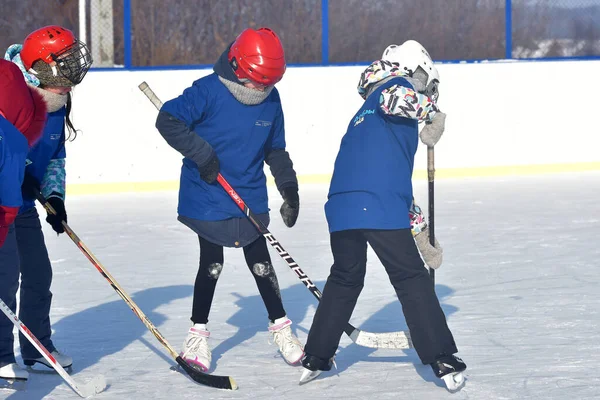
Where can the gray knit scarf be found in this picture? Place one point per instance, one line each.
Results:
(246, 95)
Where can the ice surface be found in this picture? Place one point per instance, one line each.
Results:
(519, 286)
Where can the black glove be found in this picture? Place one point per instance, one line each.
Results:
(61, 215)
(291, 206)
(29, 187)
(210, 170)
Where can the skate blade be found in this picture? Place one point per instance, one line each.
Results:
(308, 375)
(454, 382)
(43, 369)
(17, 384)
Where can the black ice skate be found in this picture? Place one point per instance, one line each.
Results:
(312, 367)
(450, 368)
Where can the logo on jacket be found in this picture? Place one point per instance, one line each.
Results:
(361, 117)
(263, 123)
(54, 136)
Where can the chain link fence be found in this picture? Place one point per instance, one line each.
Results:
(147, 33)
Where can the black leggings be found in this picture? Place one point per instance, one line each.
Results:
(259, 263)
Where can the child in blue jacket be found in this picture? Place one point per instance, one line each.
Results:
(370, 201)
(52, 61)
(232, 122)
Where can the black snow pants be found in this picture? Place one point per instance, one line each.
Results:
(397, 251)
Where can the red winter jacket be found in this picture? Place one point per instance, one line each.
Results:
(21, 105)
(7, 217)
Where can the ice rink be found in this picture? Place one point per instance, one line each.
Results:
(519, 286)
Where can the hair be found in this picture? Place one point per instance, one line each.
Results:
(70, 127)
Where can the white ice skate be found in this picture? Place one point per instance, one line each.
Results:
(312, 367)
(308, 375)
(289, 345)
(64, 360)
(195, 347)
(13, 372)
(450, 369)
(454, 382)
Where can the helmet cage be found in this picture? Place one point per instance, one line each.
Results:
(431, 88)
(73, 61)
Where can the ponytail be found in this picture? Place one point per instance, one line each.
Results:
(70, 128)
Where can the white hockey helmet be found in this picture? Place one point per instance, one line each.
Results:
(412, 57)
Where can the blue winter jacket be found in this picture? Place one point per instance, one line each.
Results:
(47, 158)
(13, 153)
(371, 185)
(240, 135)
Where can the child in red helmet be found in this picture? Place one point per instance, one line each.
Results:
(52, 61)
(232, 122)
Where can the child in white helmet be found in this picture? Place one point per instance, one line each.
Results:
(370, 201)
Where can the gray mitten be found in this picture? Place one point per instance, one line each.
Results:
(431, 255)
(431, 133)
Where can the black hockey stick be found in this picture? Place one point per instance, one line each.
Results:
(392, 340)
(431, 178)
(216, 381)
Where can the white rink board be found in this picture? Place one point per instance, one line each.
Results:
(499, 114)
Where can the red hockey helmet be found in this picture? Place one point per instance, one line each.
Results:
(258, 55)
(55, 44)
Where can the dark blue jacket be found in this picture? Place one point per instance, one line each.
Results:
(371, 185)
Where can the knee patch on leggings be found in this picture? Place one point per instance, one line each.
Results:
(214, 270)
(262, 269)
(266, 278)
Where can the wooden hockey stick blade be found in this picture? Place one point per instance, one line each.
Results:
(216, 381)
(390, 340)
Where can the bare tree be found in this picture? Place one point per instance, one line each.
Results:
(18, 18)
(176, 32)
(361, 29)
(555, 29)
(586, 30)
(198, 31)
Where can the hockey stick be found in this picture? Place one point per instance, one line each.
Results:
(96, 385)
(430, 178)
(216, 381)
(389, 340)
